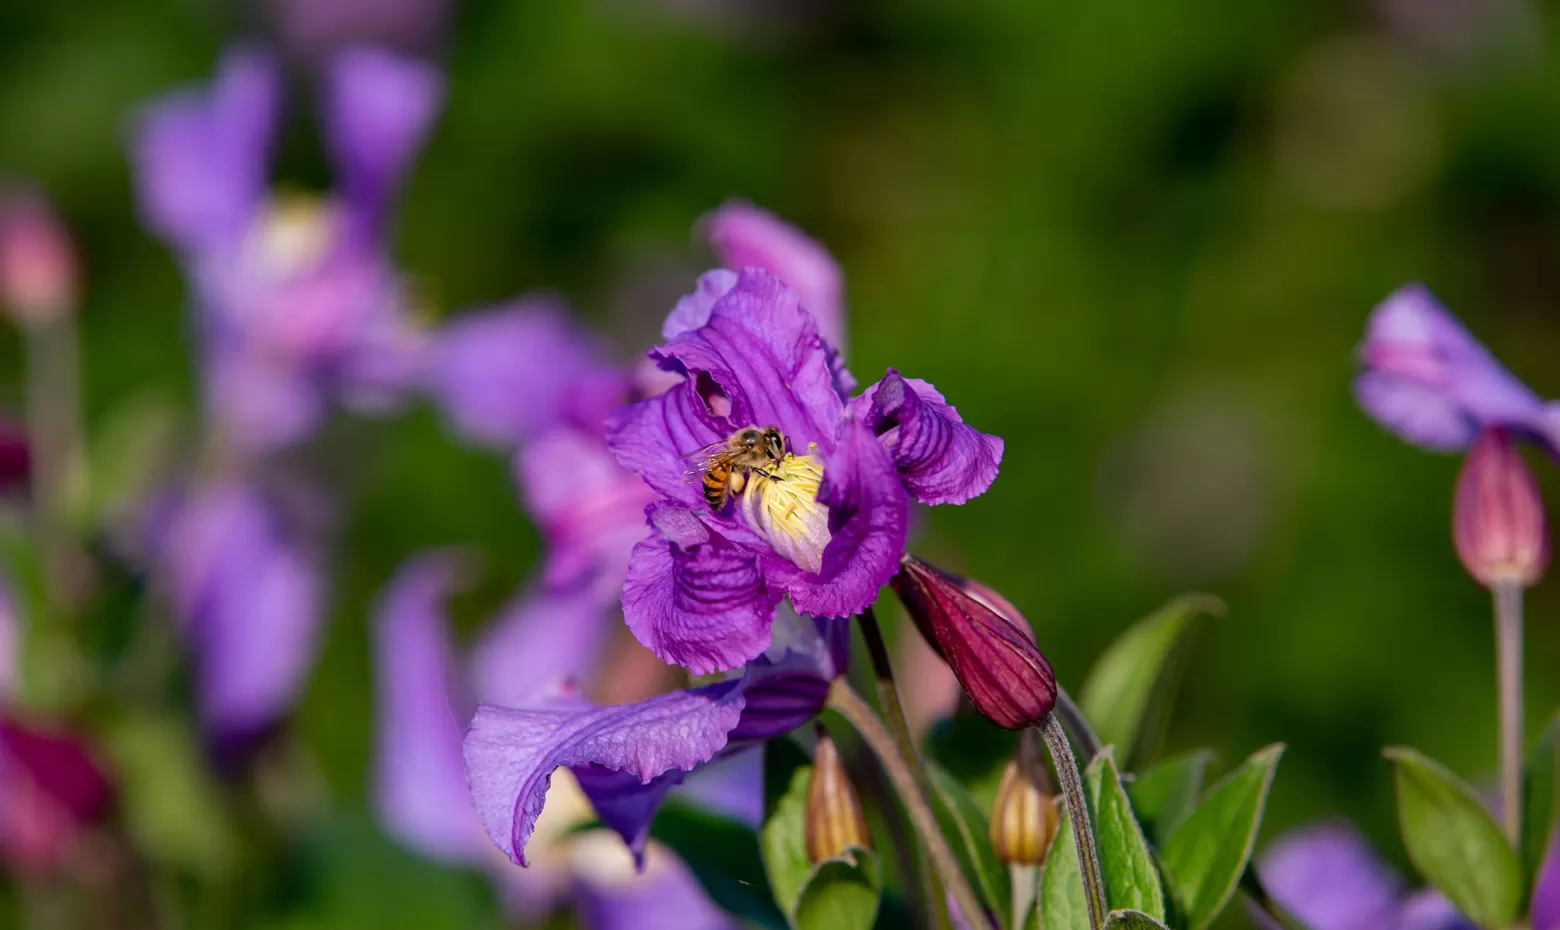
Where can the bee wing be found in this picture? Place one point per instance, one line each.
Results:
(701, 459)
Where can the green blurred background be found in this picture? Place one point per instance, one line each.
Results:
(1137, 240)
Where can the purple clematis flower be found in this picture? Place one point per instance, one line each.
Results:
(243, 578)
(424, 691)
(826, 525)
(627, 757)
(1328, 876)
(1428, 380)
(745, 236)
(298, 302)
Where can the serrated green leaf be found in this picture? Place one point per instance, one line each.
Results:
(842, 893)
(1119, 695)
(1131, 920)
(724, 856)
(1168, 791)
(966, 828)
(1539, 789)
(1453, 841)
(1209, 850)
(1126, 866)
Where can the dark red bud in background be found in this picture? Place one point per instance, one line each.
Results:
(52, 793)
(37, 261)
(1498, 515)
(984, 639)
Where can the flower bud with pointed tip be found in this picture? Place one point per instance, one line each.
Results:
(834, 821)
(984, 639)
(1023, 816)
(1498, 515)
(37, 262)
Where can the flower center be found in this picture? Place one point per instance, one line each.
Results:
(293, 234)
(783, 507)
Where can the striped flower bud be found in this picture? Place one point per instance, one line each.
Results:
(1498, 515)
(1023, 816)
(984, 639)
(37, 262)
(834, 820)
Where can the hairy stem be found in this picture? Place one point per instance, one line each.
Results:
(1508, 664)
(907, 780)
(1071, 783)
(904, 742)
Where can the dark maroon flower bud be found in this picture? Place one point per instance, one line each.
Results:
(37, 262)
(1498, 515)
(984, 639)
(834, 822)
(15, 456)
(53, 791)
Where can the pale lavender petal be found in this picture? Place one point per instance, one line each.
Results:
(745, 236)
(590, 509)
(693, 310)
(940, 459)
(611, 896)
(1546, 892)
(1330, 878)
(378, 108)
(511, 754)
(1428, 909)
(1424, 371)
(869, 517)
(504, 375)
(695, 599)
(259, 403)
(420, 778)
(200, 155)
(542, 635)
(732, 787)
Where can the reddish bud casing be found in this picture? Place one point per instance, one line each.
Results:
(37, 262)
(984, 639)
(1498, 515)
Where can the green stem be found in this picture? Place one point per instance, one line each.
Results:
(906, 779)
(1508, 659)
(904, 742)
(1071, 783)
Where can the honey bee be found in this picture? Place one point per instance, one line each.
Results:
(724, 466)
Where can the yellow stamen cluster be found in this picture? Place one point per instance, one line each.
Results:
(782, 504)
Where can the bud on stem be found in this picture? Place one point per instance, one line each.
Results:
(1023, 816)
(1498, 516)
(834, 820)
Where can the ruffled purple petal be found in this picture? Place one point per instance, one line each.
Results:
(868, 522)
(378, 108)
(744, 236)
(940, 459)
(695, 599)
(1427, 379)
(693, 310)
(1330, 878)
(543, 635)
(505, 375)
(511, 754)
(200, 155)
(420, 783)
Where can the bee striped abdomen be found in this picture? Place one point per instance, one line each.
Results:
(717, 478)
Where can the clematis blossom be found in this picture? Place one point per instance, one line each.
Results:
(298, 302)
(1428, 380)
(825, 526)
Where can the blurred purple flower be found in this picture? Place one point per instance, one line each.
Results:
(244, 583)
(828, 528)
(1328, 876)
(1544, 911)
(745, 236)
(1428, 380)
(298, 302)
(420, 789)
(317, 27)
(627, 757)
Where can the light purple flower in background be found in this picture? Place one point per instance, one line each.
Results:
(828, 527)
(1328, 876)
(1428, 380)
(423, 694)
(298, 302)
(245, 587)
(1544, 906)
(627, 757)
(745, 236)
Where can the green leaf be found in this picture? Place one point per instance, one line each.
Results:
(1538, 800)
(1209, 850)
(1131, 920)
(1062, 899)
(173, 811)
(1135, 678)
(967, 830)
(841, 893)
(1453, 841)
(1127, 867)
(1168, 791)
(724, 856)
